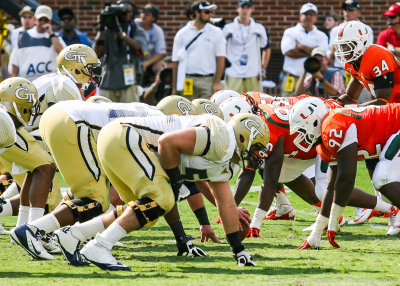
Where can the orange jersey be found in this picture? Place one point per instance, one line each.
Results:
(277, 119)
(375, 63)
(375, 124)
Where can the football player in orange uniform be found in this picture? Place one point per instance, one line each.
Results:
(371, 66)
(346, 136)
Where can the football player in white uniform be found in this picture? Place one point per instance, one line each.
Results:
(190, 148)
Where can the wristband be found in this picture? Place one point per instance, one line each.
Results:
(264, 71)
(352, 99)
(384, 100)
(202, 216)
(52, 35)
(235, 242)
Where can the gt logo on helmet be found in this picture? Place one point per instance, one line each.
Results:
(252, 125)
(74, 56)
(29, 96)
(210, 108)
(183, 107)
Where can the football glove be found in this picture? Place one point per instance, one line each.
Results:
(331, 234)
(243, 258)
(253, 232)
(189, 248)
(311, 242)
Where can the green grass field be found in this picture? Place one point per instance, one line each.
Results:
(367, 256)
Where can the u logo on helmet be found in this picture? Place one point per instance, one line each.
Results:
(183, 107)
(252, 125)
(21, 94)
(74, 56)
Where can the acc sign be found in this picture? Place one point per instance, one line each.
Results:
(21, 94)
(74, 56)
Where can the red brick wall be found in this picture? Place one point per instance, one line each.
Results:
(275, 15)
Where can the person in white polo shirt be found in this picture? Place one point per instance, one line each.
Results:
(198, 55)
(245, 39)
(38, 48)
(297, 44)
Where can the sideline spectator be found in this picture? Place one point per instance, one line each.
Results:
(68, 32)
(390, 38)
(351, 12)
(326, 82)
(156, 45)
(245, 38)
(297, 44)
(331, 20)
(123, 44)
(205, 46)
(38, 48)
(27, 22)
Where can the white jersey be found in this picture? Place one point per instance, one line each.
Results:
(97, 115)
(193, 168)
(53, 79)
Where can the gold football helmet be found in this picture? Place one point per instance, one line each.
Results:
(80, 63)
(98, 99)
(20, 98)
(252, 137)
(205, 106)
(175, 104)
(7, 128)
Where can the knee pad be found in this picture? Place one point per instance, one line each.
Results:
(146, 210)
(84, 209)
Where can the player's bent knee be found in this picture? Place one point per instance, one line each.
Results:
(84, 209)
(146, 210)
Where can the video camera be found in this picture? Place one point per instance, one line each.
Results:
(312, 65)
(110, 13)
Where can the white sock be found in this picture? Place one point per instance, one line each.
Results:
(336, 213)
(88, 229)
(11, 191)
(23, 215)
(48, 223)
(281, 198)
(382, 206)
(111, 235)
(35, 213)
(320, 225)
(7, 209)
(258, 218)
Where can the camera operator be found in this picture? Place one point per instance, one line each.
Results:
(162, 85)
(318, 79)
(123, 44)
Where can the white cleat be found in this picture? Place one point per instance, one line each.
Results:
(29, 240)
(69, 245)
(99, 253)
(363, 215)
(50, 244)
(394, 222)
(3, 231)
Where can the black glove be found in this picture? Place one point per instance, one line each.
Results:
(243, 258)
(186, 246)
(176, 180)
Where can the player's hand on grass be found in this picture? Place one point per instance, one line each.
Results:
(208, 233)
(186, 246)
(331, 234)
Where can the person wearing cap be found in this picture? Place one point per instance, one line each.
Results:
(27, 22)
(38, 48)
(390, 37)
(351, 10)
(245, 39)
(68, 31)
(326, 82)
(297, 44)
(198, 55)
(156, 45)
